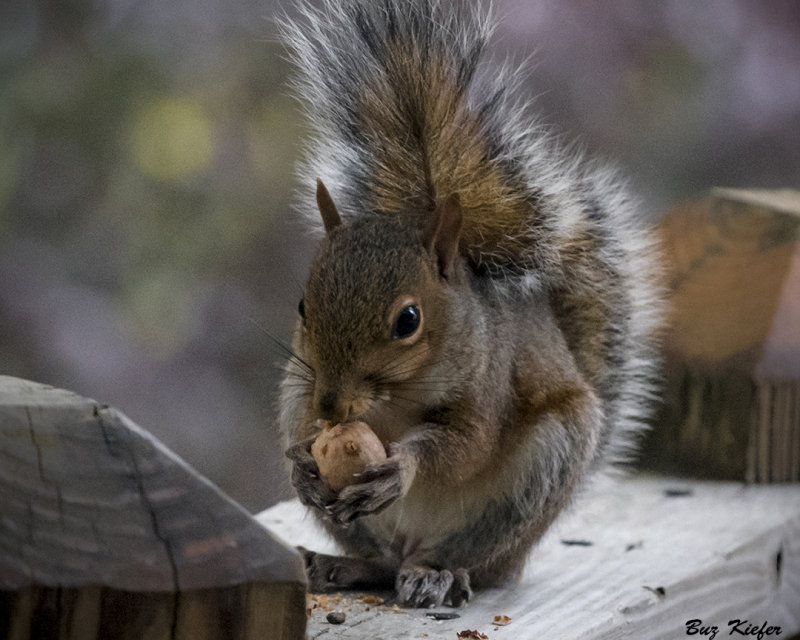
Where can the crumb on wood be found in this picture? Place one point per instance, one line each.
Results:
(336, 617)
(501, 621)
(323, 601)
(442, 615)
(661, 592)
(471, 634)
(370, 598)
(677, 493)
(577, 543)
(329, 602)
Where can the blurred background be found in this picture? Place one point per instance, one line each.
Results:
(147, 239)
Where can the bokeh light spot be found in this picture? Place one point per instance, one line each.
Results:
(172, 139)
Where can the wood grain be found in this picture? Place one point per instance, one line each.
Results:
(653, 563)
(105, 533)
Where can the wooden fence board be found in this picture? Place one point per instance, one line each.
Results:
(105, 533)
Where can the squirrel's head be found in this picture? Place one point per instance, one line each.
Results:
(375, 308)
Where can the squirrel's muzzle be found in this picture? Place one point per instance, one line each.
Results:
(331, 405)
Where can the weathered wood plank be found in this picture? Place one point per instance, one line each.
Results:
(251, 611)
(732, 346)
(106, 533)
(723, 551)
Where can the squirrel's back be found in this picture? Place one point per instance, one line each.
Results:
(403, 116)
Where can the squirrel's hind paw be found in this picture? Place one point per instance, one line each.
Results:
(426, 587)
(325, 572)
(460, 591)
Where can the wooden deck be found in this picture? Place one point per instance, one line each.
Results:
(105, 533)
(638, 560)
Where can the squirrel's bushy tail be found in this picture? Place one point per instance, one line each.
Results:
(401, 119)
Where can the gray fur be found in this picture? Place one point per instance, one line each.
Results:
(537, 359)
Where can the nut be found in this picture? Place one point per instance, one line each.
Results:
(343, 451)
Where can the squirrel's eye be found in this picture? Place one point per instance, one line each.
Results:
(301, 309)
(407, 322)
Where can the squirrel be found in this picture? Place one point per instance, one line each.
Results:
(486, 302)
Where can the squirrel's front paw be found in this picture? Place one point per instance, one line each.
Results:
(311, 490)
(377, 488)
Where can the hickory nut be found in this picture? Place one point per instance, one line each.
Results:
(344, 450)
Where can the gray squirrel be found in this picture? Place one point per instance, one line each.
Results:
(485, 302)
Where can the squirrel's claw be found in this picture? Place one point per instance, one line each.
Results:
(300, 451)
(427, 587)
(378, 487)
(311, 490)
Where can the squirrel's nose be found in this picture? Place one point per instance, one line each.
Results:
(331, 408)
(327, 405)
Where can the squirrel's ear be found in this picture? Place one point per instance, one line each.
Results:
(442, 235)
(330, 216)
